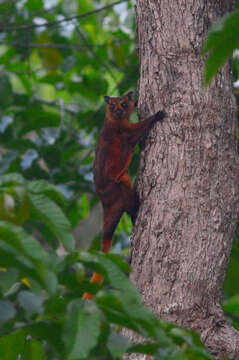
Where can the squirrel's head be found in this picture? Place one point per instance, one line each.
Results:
(120, 108)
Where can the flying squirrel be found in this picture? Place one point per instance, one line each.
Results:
(114, 152)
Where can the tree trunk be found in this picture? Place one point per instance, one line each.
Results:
(188, 174)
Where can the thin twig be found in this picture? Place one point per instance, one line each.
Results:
(57, 22)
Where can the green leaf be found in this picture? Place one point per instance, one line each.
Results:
(50, 281)
(52, 216)
(35, 117)
(117, 344)
(7, 160)
(11, 346)
(7, 279)
(7, 311)
(33, 350)
(183, 335)
(11, 179)
(92, 86)
(170, 354)
(230, 286)
(24, 252)
(125, 299)
(51, 78)
(232, 305)
(5, 90)
(14, 204)
(82, 329)
(118, 53)
(50, 332)
(84, 206)
(34, 5)
(16, 240)
(46, 188)
(222, 40)
(198, 352)
(148, 348)
(30, 302)
(114, 311)
(42, 186)
(121, 310)
(10, 259)
(112, 272)
(117, 279)
(120, 262)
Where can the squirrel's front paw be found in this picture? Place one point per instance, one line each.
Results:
(160, 115)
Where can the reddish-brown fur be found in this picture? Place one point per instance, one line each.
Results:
(113, 155)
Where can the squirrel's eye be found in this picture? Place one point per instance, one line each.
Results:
(111, 107)
(124, 105)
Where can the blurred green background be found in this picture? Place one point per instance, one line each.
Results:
(57, 61)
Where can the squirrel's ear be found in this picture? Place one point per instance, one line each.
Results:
(107, 98)
(129, 95)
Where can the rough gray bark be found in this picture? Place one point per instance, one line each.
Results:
(188, 175)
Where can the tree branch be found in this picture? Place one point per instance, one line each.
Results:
(57, 22)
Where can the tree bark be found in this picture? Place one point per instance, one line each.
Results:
(188, 173)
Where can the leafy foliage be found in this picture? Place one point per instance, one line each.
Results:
(58, 59)
(41, 307)
(221, 42)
